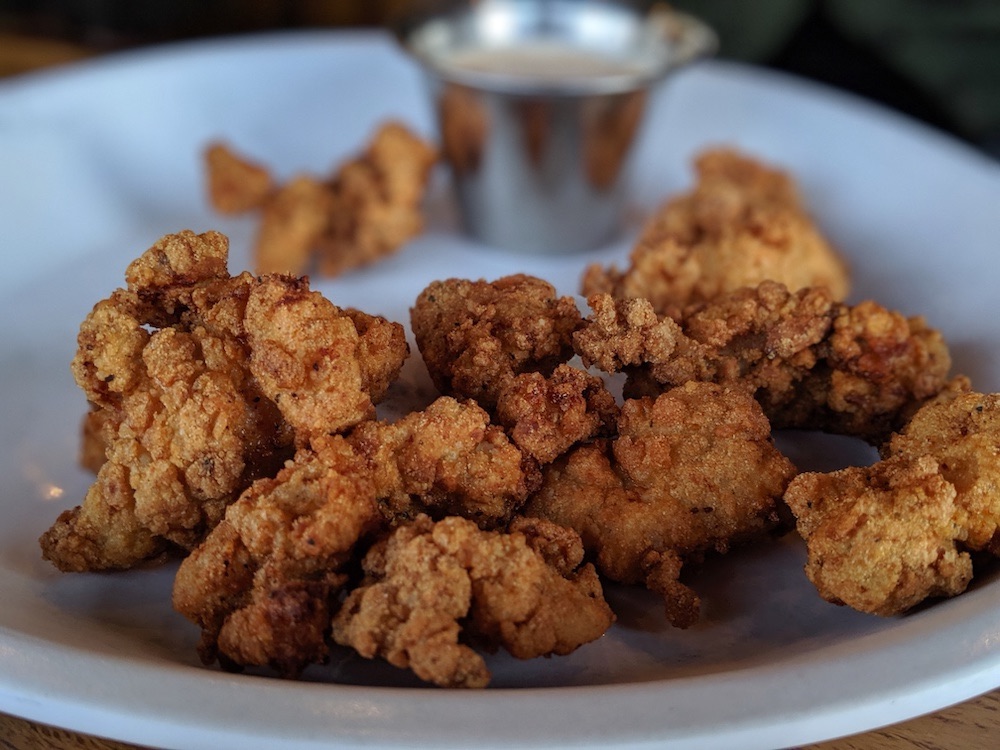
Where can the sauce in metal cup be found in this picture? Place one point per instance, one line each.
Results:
(539, 103)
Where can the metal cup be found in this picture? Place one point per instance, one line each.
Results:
(539, 103)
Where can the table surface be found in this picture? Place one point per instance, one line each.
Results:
(972, 724)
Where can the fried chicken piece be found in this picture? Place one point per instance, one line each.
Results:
(812, 363)
(369, 209)
(235, 184)
(881, 539)
(303, 352)
(199, 384)
(292, 220)
(446, 460)
(264, 584)
(476, 336)
(376, 201)
(432, 587)
(546, 416)
(693, 471)
(382, 350)
(741, 224)
(961, 431)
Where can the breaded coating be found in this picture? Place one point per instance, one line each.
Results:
(303, 352)
(264, 584)
(432, 588)
(546, 416)
(366, 211)
(446, 460)
(382, 350)
(961, 431)
(292, 220)
(693, 471)
(811, 362)
(881, 539)
(741, 224)
(235, 184)
(376, 201)
(198, 384)
(476, 336)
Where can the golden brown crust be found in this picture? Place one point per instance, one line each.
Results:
(741, 224)
(811, 362)
(431, 587)
(476, 336)
(198, 384)
(235, 184)
(446, 460)
(691, 471)
(263, 585)
(883, 538)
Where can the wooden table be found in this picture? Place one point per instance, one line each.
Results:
(974, 724)
(968, 726)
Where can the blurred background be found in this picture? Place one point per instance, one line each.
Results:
(935, 60)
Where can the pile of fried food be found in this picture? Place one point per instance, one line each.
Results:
(232, 420)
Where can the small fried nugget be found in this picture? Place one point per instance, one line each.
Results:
(961, 431)
(813, 363)
(476, 336)
(546, 416)
(198, 384)
(741, 224)
(292, 220)
(432, 588)
(376, 200)
(881, 539)
(446, 460)
(693, 471)
(235, 184)
(366, 211)
(264, 584)
(303, 352)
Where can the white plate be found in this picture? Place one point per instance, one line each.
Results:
(100, 160)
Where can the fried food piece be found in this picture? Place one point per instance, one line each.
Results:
(198, 384)
(693, 471)
(446, 460)
(432, 587)
(546, 416)
(376, 201)
(476, 336)
(303, 352)
(741, 224)
(292, 220)
(369, 209)
(811, 362)
(881, 539)
(235, 184)
(264, 584)
(961, 431)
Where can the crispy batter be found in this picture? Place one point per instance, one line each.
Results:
(691, 471)
(962, 433)
(741, 224)
(446, 460)
(476, 336)
(197, 386)
(292, 220)
(235, 184)
(263, 586)
(883, 538)
(376, 201)
(546, 416)
(368, 210)
(811, 362)
(303, 352)
(432, 587)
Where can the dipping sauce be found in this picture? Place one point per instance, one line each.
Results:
(543, 61)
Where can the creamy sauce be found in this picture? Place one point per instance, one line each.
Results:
(544, 61)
